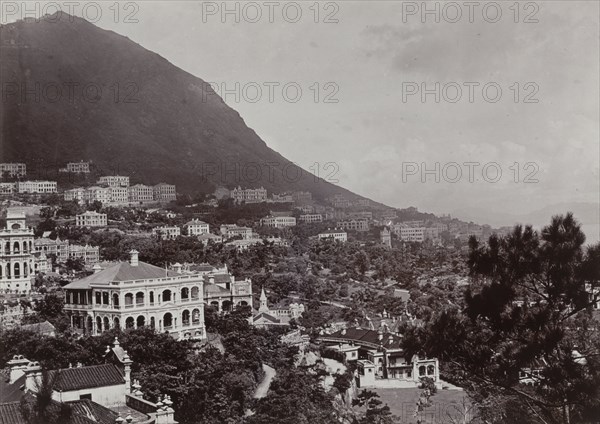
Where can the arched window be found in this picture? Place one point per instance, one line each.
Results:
(141, 321)
(195, 293)
(226, 305)
(117, 323)
(151, 298)
(115, 298)
(421, 370)
(139, 298)
(128, 299)
(185, 293)
(185, 317)
(215, 305)
(16, 248)
(166, 296)
(106, 324)
(17, 270)
(129, 322)
(152, 322)
(99, 324)
(168, 321)
(430, 370)
(196, 316)
(105, 297)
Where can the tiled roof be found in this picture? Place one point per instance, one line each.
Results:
(213, 289)
(122, 271)
(10, 392)
(93, 411)
(388, 340)
(40, 327)
(10, 413)
(83, 412)
(267, 317)
(88, 377)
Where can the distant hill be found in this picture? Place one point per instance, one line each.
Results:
(161, 124)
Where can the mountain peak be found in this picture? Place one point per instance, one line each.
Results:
(99, 96)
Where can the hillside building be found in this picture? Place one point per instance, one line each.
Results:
(36, 187)
(17, 255)
(13, 170)
(135, 294)
(91, 219)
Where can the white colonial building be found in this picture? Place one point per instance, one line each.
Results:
(114, 180)
(17, 254)
(335, 234)
(135, 294)
(91, 219)
(195, 227)
(167, 232)
(278, 221)
(36, 187)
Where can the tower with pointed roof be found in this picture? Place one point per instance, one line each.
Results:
(264, 307)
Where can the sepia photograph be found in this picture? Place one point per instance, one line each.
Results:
(300, 212)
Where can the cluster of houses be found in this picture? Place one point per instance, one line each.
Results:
(22, 256)
(115, 190)
(95, 394)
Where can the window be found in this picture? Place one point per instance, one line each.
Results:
(86, 396)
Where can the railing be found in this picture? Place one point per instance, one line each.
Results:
(186, 323)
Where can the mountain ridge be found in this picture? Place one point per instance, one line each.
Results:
(130, 110)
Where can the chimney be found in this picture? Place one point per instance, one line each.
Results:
(33, 377)
(177, 268)
(17, 366)
(134, 261)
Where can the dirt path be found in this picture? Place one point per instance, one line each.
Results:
(263, 387)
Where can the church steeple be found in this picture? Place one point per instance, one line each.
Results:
(264, 307)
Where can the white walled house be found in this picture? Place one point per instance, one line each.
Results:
(335, 234)
(135, 294)
(91, 219)
(196, 227)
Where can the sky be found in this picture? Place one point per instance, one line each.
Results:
(514, 127)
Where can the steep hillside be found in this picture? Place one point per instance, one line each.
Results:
(73, 91)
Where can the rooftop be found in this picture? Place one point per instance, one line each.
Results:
(122, 271)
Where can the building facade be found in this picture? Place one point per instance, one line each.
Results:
(311, 217)
(196, 227)
(141, 193)
(335, 234)
(36, 187)
(381, 361)
(278, 221)
(13, 170)
(7, 188)
(165, 193)
(135, 294)
(80, 167)
(249, 195)
(91, 219)
(114, 181)
(17, 259)
(359, 224)
(167, 232)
